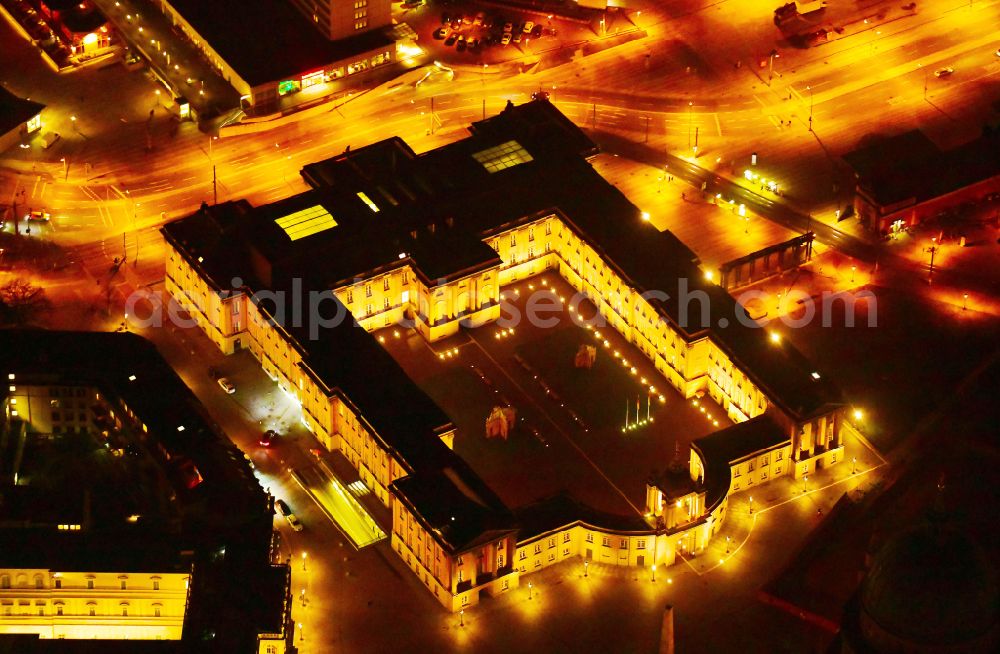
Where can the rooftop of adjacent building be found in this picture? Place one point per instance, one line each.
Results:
(269, 40)
(127, 367)
(78, 17)
(137, 549)
(15, 111)
(910, 165)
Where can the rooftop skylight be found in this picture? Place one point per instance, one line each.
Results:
(505, 155)
(306, 222)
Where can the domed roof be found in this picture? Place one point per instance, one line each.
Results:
(933, 585)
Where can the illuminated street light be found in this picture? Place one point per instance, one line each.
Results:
(853, 268)
(727, 544)
(805, 484)
(854, 465)
(653, 569)
(529, 590)
(933, 250)
(461, 618)
(302, 635)
(858, 414)
(303, 561)
(586, 563)
(751, 506)
(965, 301)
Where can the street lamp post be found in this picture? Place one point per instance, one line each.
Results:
(933, 250)
(653, 571)
(770, 65)
(461, 618)
(853, 268)
(303, 561)
(854, 465)
(302, 635)
(529, 590)
(809, 88)
(751, 506)
(585, 565)
(965, 299)
(805, 484)
(727, 544)
(690, 120)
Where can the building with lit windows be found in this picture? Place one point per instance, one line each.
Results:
(338, 20)
(80, 23)
(125, 513)
(387, 235)
(131, 601)
(267, 50)
(19, 118)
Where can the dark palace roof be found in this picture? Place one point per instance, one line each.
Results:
(560, 510)
(731, 444)
(455, 505)
(269, 40)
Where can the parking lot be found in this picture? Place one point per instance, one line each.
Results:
(479, 34)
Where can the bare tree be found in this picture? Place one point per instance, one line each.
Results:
(21, 301)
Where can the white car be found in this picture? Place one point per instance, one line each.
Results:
(227, 385)
(944, 72)
(528, 27)
(284, 511)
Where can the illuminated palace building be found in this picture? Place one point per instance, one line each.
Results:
(124, 513)
(433, 238)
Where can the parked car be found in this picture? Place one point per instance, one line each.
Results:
(528, 26)
(478, 20)
(38, 216)
(269, 438)
(460, 44)
(450, 41)
(536, 31)
(440, 33)
(508, 28)
(227, 385)
(517, 37)
(456, 23)
(505, 39)
(944, 72)
(286, 512)
(473, 44)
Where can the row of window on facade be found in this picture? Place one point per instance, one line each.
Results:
(24, 608)
(39, 582)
